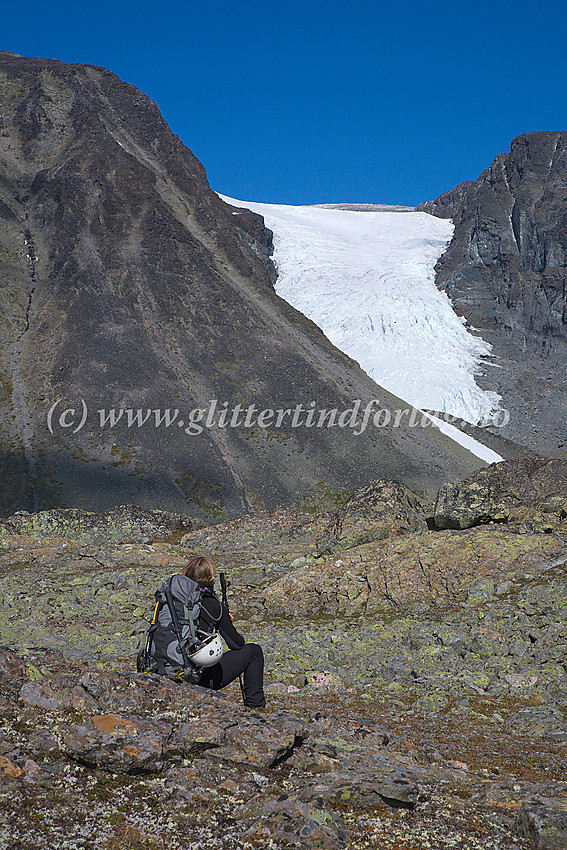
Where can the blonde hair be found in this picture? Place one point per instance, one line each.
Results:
(200, 569)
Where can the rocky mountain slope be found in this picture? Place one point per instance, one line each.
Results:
(506, 271)
(131, 293)
(415, 678)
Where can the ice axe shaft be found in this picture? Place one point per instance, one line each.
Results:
(224, 585)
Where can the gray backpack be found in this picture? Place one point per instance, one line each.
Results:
(175, 631)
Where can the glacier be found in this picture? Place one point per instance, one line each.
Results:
(367, 279)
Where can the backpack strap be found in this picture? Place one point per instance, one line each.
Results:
(194, 620)
(210, 618)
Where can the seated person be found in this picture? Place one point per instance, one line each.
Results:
(244, 660)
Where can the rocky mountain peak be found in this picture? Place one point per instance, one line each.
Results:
(505, 271)
(134, 300)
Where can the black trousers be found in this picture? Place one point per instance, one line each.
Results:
(248, 662)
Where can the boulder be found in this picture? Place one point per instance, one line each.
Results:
(465, 505)
(118, 743)
(544, 824)
(528, 490)
(141, 723)
(383, 509)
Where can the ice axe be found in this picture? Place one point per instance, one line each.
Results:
(224, 585)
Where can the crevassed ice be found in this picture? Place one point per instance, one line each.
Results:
(367, 280)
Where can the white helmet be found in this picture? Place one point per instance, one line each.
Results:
(210, 651)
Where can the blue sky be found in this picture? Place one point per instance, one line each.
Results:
(307, 102)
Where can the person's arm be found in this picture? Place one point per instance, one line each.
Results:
(213, 606)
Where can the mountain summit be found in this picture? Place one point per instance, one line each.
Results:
(136, 304)
(506, 273)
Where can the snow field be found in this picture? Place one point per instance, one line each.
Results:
(367, 280)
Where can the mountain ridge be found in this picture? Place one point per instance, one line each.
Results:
(505, 271)
(127, 284)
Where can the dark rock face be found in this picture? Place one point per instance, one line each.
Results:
(506, 272)
(132, 297)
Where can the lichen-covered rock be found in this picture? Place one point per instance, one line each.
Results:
(15, 673)
(12, 670)
(118, 743)
(382, 509)
(461, 631)
(141, 723)
(544, 824)
(290, 822)
(465, 505)
(8, 768)
(430, 567)
(121, 524)
(528, 490)
(480, 591)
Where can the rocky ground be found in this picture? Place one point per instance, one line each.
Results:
(416, 679)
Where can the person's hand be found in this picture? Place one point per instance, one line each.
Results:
(231, 614)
